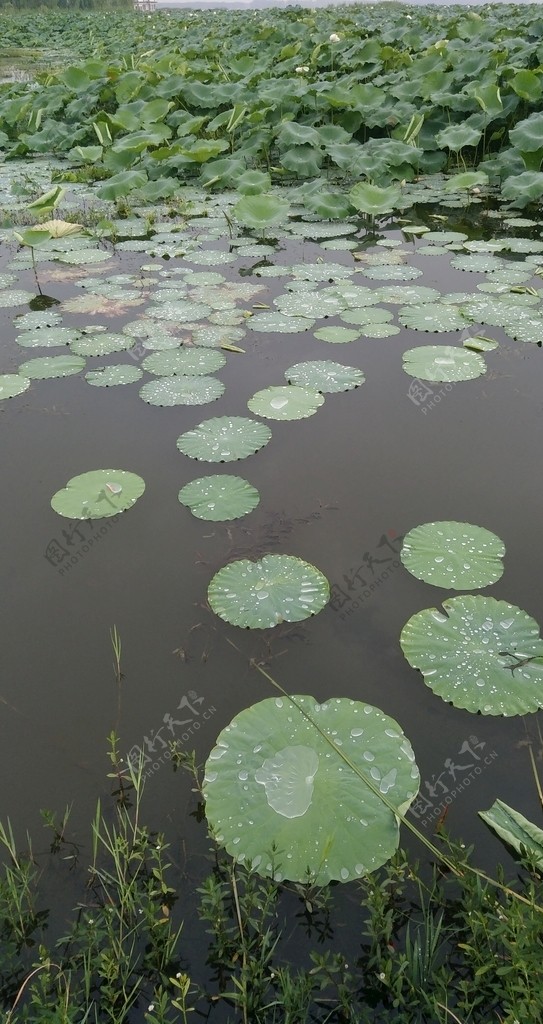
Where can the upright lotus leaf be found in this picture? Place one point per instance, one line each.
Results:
(456, 136)
(523, 188)
(515, 830)
(320, 781)
(219, 498)
(325, 375)
(443, 363)
(483, 655)
(224, 439)
(98, 494)
(12, 384)
(253, 183)
(330, 205)
(285, 402)
(259, 595)
(457, 556)
(374, 200)
(527, 137)
(261, 211)
(466, 180)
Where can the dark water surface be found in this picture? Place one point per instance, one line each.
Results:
(338, 489)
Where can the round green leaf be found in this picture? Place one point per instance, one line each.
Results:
(443, 363)
(168, 391)
(48, 337)
(259, 595)
(277, 776)
(12, 384)
(110, 376)
(261, 211)
(219, 498)
(483, 655)
(285, 403)
(324, 375)
(188, 361)
(224, 439)
(432, 316)
(457, 556)
(98, 494)
(336, 335)
(52, 366)
(101, 344)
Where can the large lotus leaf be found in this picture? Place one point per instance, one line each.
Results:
(224, 439)
(111, 376)
(457, 556)
(483, 655)
(314, 304)
(515, 830)
(182, 390)
(465, 180)
(12, 384)
(410, 294)
(443, 363)
(98, 494)
(367, 315)
(277, 776)
(261, 211)
(432, 316)
(527, 135)
(219, 498)
(278, 323)
(373, 199)
(523, 188)
(392, 272)
(324, 375)
(48, 337)
(259, 595)
(478, 264)
(285, 402)
(51, 366)
(189, 362)
(14, 297)
(456, 136)
(329, 205)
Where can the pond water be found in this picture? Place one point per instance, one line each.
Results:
(338, 489)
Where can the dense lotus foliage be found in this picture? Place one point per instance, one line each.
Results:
(246, 99)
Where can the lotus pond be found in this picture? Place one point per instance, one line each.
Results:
(325, 583)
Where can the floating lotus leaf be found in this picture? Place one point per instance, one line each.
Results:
(483, 655)
(37, 320)
(101, 344)
(278, 323)
(110, 376)
(324, 375)
(410, 294)
(379, 330)
(187, 361)
(321, 271)
(82, 257)
(210, 257)
(285, 403)
(457, 556)
(392, 272)
(52, 366)
(480, 344)
(178, 311)
(219, 498)
(48, 337)
(14, 297)
(367, 315)
(12, 384)
(336, 335)
(180, 390)
(315, 304)
(98, 494)
(224, 439)
(477, 263)
(443, 363)
(432, 316)
(259, 595)
(274, 777)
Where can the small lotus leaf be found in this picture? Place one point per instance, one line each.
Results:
(110, 376)
(12, 384)
(457, 556)
(336, 335)
(259, 595)
(224, 439)
(219, 498)
(98, 494)
(285, 403)
(324, 375)
(483, 655)
(278, 767)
